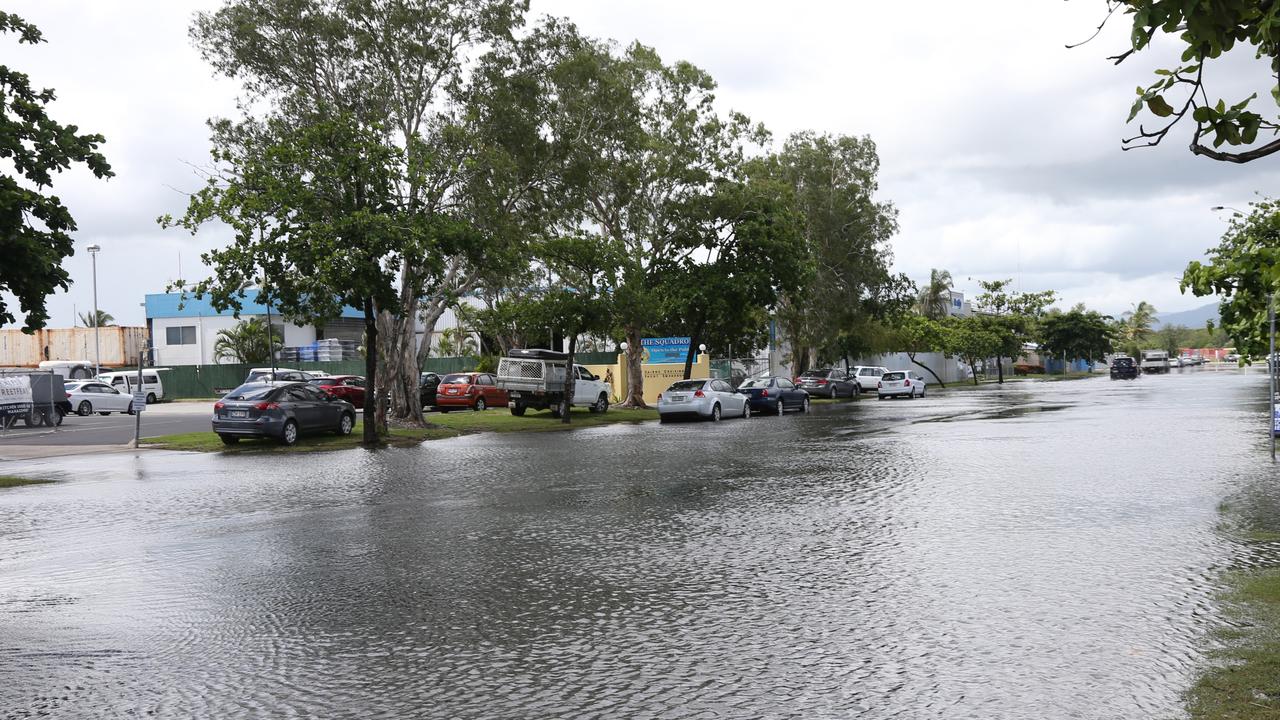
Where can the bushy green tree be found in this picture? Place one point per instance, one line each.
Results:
(1078, 334)
(100, 318)
(917, 334)
(1010, 316)
(973, 340)
(35, 227)
(247, 342)
(1244, 271)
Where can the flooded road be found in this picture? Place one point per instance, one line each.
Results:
(1046, 550)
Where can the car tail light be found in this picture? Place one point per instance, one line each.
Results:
(699, 393)
(218, 405)
(659, 397)
(879, 385)
(267, 406)
(906, 383)
(764, 393)
(822, 382)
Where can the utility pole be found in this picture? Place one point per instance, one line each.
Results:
(97, 352)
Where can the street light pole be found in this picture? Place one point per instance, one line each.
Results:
(1271, 373)
(97, 348)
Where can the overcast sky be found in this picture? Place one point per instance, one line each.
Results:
(1000, 147)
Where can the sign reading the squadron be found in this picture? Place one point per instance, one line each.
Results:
(665, 350)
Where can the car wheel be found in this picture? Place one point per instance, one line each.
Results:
(480, 403)
(833, 392)
(57, 417)
(746, 410)
(879, 397)
(84, 408)
(442, 411)
(922, 392)
(602, 404)
(346, 424)
(151, 398)
(229, 439)
(289, 435)
(715, 413)
(805, 407)
(781, 408)
(517, 410)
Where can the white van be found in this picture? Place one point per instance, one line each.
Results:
(126, 380)
(69, 369)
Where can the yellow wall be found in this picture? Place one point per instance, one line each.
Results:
(657, 377)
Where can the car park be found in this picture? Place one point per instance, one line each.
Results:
(87, 397)
(126, 381)
(868, 376)
(281, 410)
(774, 395)
(477, 391)
(900, 383)
(829, 383)
(347, 387)
(705, 398)
(1124, 367)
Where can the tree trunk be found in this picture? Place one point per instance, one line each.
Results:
(635, 370)
(912, 357)
(370, 437)
(1000, 369)
(973, 368)
(570, 380)
(694, 342)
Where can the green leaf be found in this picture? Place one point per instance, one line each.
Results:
(1202, 114)
(1159, 106)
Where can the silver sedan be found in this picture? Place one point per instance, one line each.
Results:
(707, 398)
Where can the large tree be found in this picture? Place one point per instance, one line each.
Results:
(400, 70)
(934, 299)
(846, 233)
(641, 141)
(1010, 315)
(247, 342)
(1078, 334)
(97, 318)
(1243, 271)
(1205, 30)
(35, 227)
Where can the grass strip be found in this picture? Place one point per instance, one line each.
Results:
(501, 419)
(1243, 682)
(8, 481)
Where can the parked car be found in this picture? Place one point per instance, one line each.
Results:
(266, 374)
(347, 387)
(900, 383)
(126, 381)
(1124, 368)
(702, 398)
(91, 396)
(535, 378)
(830, 382)
(774, 395)
(49, 402)
(428, 382)
(477, 391)
(280, 410)
(868, 376)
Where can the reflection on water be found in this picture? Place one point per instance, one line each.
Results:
(1055, 559)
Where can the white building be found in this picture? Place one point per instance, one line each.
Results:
(184, 330)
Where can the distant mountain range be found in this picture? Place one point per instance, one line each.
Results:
(1194, 318)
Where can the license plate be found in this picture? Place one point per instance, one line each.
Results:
(238, 413)
(677, 398)
(451, 391)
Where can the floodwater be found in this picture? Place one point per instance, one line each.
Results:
(1047, 550)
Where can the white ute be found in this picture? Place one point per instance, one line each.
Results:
(536, 378)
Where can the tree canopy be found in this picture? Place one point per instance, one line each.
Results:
(35, 227)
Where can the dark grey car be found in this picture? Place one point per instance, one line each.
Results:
(828, 383)
(284, 411)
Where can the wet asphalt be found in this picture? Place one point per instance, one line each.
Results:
(1046, 549)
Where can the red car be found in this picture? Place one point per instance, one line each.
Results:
(347, 387)
(469, 390)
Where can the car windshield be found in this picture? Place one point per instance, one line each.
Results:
(250, 391)
(456, 379)
(686, 385)
(757, 383)
(323, 381)
(71, 387)
(894, 376)
(816, 373)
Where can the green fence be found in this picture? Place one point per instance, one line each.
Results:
(206, 381)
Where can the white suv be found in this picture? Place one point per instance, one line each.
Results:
(868, 376)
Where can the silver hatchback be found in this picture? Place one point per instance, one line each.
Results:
(707, 398)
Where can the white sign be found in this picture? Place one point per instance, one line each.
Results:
(15, 395)
(139, 401)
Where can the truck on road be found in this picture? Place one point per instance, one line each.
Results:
(1155, 361)
(536, 379)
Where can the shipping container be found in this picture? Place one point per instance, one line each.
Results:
(117, 346)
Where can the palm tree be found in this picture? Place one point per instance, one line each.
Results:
(246, 342)
(102, 319)
(456, 342)
(935, 298)
(1135, 325)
